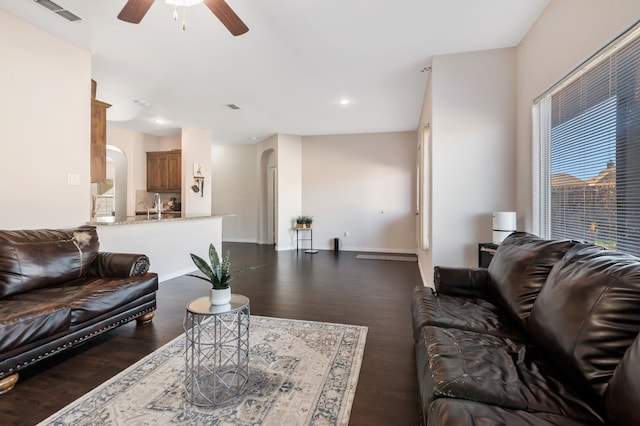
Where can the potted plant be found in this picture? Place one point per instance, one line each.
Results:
(300, 221)
(217, 274)
(308, 221)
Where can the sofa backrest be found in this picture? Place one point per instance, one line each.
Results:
(37, 258)
(588, 313)
(622, 398)
(519, 270)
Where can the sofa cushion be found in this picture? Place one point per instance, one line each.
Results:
(520, 268)
(463, 282)
(91, 297)
(623, 393)
(479, 315)
(38, 258)
(495, 370)
(588, 313)
(23, 322)
(458, 412)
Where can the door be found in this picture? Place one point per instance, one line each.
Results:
(272, 182)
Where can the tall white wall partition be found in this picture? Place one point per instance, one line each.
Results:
(44, 128)
(471, 111)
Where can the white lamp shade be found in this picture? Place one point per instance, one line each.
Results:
(504, 223)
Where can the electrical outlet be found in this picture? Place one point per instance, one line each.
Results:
(73, 180)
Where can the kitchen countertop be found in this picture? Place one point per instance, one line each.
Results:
(153, 212)
(129, 220)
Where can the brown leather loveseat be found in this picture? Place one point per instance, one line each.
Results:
(57, 291)
(548, 335)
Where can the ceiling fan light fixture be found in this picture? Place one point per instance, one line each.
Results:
(134, 10)
(183, 3)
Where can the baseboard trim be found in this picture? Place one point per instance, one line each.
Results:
(241, 240)
(327, 247)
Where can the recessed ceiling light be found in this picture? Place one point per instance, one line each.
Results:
(344, 101)
(159, 121)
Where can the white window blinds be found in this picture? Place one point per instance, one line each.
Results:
(587, 151)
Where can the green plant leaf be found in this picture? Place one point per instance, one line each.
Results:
(226, 265)
(218, 273)
(215, 266)
(202, 265)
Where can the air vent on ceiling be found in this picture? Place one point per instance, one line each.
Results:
(49, 5)
(58, 10)
(233, 106)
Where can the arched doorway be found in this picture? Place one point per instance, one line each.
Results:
(268, 208)
(117, 173)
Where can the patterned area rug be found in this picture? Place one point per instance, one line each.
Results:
(301, 373)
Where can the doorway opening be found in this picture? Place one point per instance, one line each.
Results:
(109, 198)
(268, 208)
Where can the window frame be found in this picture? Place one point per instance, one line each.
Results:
(542, 127)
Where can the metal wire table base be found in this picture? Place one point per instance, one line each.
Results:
(217, 351)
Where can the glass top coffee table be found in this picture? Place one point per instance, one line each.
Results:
(217, 351)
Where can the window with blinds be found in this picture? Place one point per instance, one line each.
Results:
(587, 151)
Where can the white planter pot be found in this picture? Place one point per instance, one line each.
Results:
(220, 297)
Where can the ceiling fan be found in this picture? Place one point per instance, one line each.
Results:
(134, 10)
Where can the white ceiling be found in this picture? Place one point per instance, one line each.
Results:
(299, 58)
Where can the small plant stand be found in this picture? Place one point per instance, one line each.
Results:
(217, 351)
(306, 235)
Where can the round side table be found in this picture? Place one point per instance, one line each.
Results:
(217, 351)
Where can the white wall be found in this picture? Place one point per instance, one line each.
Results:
(45, 113)
(425, 262)
(567, 33)
(472, 130)
(234, 175)
(266, 157)
(196, 148)
(133, 145)
(289, 191)
(364, 185)
(167, 244)
(344, 181)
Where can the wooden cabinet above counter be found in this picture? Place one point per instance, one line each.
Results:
(164, 171)
(98, 137)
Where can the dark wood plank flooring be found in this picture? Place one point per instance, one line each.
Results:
(317, 287)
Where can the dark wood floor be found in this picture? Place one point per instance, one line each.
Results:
(318, 287)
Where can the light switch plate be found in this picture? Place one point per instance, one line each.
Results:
(73, 180)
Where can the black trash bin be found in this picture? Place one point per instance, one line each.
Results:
(336, 244)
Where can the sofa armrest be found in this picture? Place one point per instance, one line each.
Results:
(465, 282)
(120, 265)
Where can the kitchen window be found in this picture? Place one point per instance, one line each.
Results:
(587, 151)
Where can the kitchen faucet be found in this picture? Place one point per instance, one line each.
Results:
(157, 203)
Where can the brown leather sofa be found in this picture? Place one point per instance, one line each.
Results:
(57, 291)
(547, 335)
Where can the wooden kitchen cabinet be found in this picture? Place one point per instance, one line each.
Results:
(164, 171)
(98, 137)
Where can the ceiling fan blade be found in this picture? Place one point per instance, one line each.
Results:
(135, 10)
(227, 16)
